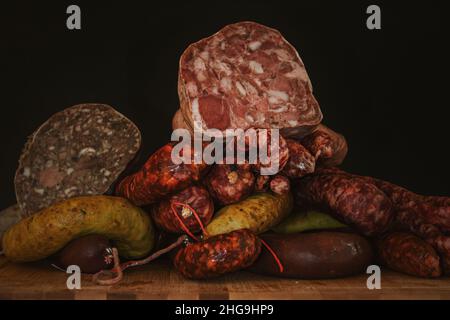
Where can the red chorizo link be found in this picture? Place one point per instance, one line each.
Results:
(351, 200)
(262, 183)
(407, 253)
(159, 177)
(329, 147)
(182, 205)
(280, 185)
(218, 255)
(230, 183)
(300, 162)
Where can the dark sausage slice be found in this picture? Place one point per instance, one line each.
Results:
(407, 253)
(81, 150)
(318, 255)
(218, 255)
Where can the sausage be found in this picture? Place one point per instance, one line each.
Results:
(300, 162)
(47, 231)
(218, 255)
(193, 197)
(246, 76)
(91, 253)
(262, 183)
(407, 253)
(317, 255)
(82, 150)
(276, 150)
(230, 183)
(329, 147)
(280, 185)
(159, 177)
(433, 210)
(351, 200)
(425, 216)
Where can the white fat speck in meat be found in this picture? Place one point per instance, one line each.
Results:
(192, 89)
(254, 45)
(240, 88)
(225, 84)
(256, 67)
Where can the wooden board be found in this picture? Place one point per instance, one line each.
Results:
(160, 281)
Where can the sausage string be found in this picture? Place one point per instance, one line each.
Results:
(274, 255)
(118, 268)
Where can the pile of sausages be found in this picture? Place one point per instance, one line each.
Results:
(408, 230)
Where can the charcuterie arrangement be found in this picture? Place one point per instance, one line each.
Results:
(82, 201)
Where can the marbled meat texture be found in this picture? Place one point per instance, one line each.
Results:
(246, 75)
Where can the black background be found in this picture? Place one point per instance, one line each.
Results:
(386, 90)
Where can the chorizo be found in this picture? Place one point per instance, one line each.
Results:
(407, 253)
(300, 162)
(182, 204)
(230, 183)
(218, 255)
(280, 185)
(351, 200)
(328, 147)
(159, 177)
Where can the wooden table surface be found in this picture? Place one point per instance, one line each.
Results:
(160, 281)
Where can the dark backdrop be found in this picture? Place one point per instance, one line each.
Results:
(387, 90)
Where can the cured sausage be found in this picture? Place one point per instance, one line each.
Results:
(91, 253)
(230, 183)
(182, 209)
(300, 162)
(159, 177)
(425, 216)
(246, 75)
(262, 183)
(280, 185)
(218, 255)
(81, 150)
(329, 147)
(407, 253)
(317, 255)
(351, 200)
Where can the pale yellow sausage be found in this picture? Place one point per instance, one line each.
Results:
(258, 213)
(44, 233)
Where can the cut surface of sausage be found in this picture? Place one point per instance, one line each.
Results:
(81, 150)
(246, 75)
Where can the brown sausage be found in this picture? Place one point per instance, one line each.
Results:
(407, 253)
(317, 255)
(300, 162)
(329, 147)
(218, 255)
(351, 200)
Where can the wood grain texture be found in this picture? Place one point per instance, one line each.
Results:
(160, 281)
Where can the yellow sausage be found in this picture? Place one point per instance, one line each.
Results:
(44, 233)
(258, 213)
